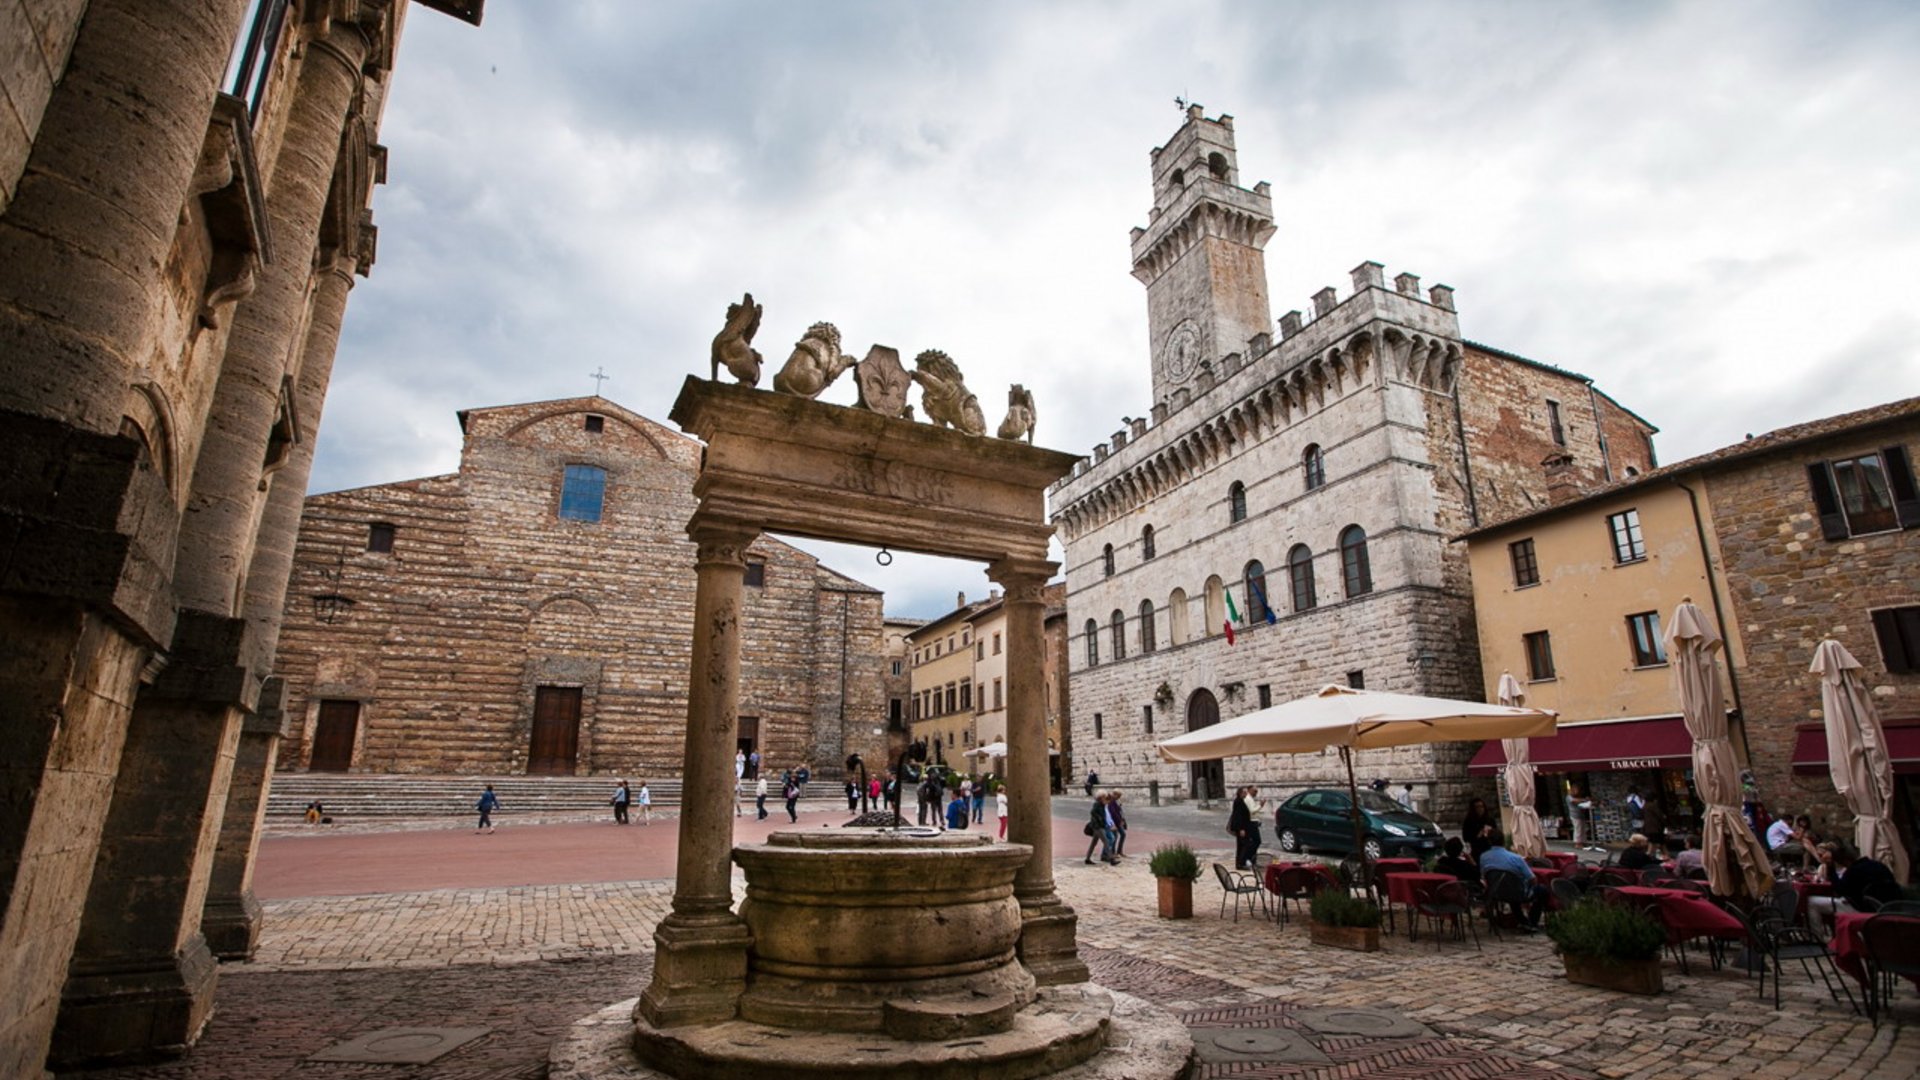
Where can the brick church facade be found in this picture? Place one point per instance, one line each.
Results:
(532, 613)
(1302, 487)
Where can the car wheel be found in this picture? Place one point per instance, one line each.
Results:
(1289, 841)
(1371, 849)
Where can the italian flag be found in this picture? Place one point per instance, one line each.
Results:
(1233, 615)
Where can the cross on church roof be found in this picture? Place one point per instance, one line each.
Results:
(599, 376)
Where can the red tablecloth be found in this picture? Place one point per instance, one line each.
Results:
(1849, 951)
(1410, 888)
(1545, 874)
(1274, 870)
(1565, 860)
(1686, 914)
(1396, 866)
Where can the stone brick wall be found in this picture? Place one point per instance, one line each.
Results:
(1792, 588)
(488, 594)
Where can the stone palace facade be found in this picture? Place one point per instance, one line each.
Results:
(1316, 475)
(533, 613)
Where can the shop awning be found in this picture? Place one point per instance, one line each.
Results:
(1659, 742)
(1903, 746)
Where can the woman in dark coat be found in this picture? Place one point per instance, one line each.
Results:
(1240, 824)
(1478, 828)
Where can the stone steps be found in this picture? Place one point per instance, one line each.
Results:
(362, 795)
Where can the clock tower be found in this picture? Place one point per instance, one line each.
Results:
(1200, 254)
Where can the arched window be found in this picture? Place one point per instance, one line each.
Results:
(1214, 605)
(1147, 632)
(1146, 543)
(1119, 621)
(1300, 576)
(1217, 165)
(1256, 591)
(1237, 502)
(1106, 560)
(1353, 561)
(1093, 643)
(1177, 617)
(1315, 466)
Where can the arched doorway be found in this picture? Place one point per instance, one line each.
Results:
(1207, 779)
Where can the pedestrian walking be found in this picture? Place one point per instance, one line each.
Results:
(622, 798)
(740, 764)
(1000, 797)
(853, 794)
(792, 792)
(646, 804)
(1099, 830)
(760, 797)
(873, 788)
(753, 765)
(489, 802)
(958, 811)
(1119, 825)
(736, 797)
(980, 803)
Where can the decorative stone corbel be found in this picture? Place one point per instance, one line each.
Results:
(232, 202)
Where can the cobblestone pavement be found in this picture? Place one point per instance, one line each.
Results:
(525, 962)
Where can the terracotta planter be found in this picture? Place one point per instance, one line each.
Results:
(1626, 976)
(1176, 898)
(1357, 938)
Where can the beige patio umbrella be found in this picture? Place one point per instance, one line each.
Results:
(1735, 859)
(1340, 716)
(1857, 755)
(1528, 839)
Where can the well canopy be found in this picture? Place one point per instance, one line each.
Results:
(1358, 719)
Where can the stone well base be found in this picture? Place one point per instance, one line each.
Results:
(1143, 1042)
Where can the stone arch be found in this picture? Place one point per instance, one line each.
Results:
(1214, 607)
(1177, 617)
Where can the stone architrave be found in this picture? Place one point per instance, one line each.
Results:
(780, 463)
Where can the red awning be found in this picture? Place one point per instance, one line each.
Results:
(1603, 746)
(1903, 745)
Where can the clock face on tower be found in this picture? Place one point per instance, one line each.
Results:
(1182, 351)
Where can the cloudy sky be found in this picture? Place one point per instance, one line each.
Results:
(1711, 209)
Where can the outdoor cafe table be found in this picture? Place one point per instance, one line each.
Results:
(1411, 888)
(1564, 860)
(1385, 867)
(1849, 951)
(1275, 869)
(1686, 914)
(1804, 889)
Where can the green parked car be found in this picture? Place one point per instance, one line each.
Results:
(1322, 818)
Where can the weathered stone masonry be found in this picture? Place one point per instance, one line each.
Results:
(1372, 413)
(488, 594)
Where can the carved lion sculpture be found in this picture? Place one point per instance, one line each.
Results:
(1020, 414)
(733, 345)
(815, 363)
(943, 393)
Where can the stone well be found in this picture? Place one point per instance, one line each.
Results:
(875, 930)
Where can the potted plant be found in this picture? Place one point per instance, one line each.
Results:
(1609, 946)
(1343, 920)
(1176, 868)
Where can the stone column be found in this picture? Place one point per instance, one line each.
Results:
(700, 948)
(216, 534)
(232, 920)
(141, 979)
(1047, 945)
(89, 527)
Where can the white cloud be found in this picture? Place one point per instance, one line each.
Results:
(1671, 198)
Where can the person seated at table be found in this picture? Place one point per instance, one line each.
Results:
(1639, 854)
(1455, 862)
(1688, 857)
(1497, 857)
(1856, 881)
(1806, 838)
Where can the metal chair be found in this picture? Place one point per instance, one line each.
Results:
(1450, 902)
(1893, 951)
(1900, 907)
(1786, 900)
(1504, 887)
(1296, 883)
(1566, 893)
(1777, 940)
(1237, 884)
(1360, 873)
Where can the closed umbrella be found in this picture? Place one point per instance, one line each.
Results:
(1857, 755)
(1529, 839)
(1735, 859)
